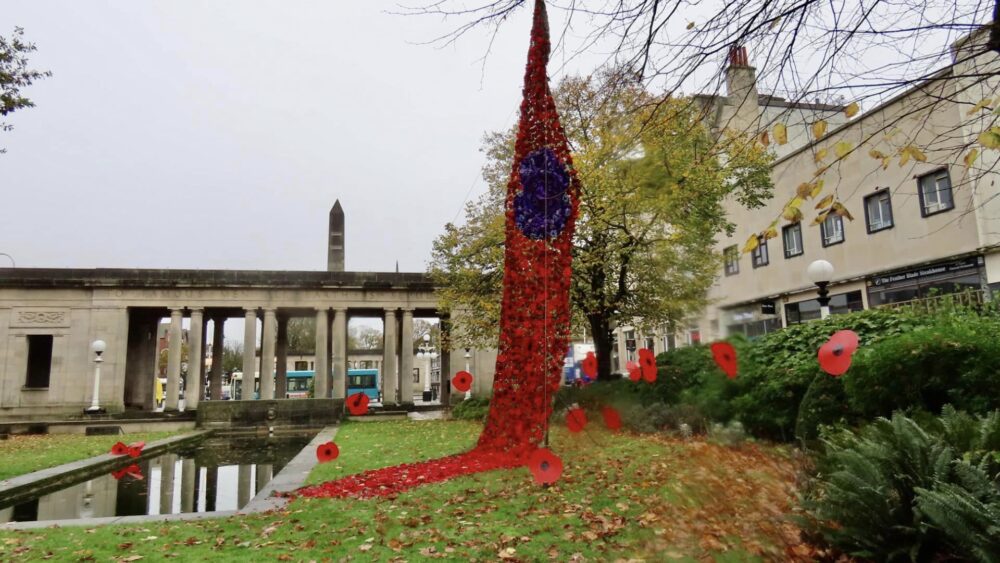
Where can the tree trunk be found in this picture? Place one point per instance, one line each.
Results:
(600, 328)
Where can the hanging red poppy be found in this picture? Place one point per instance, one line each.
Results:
(327, 452)
(576, 419)
(725, 356)
(135, 449)
(589, 365)
(612, 419)
(462, 381)
(647, 360)
(634, 371)
(119, 449)
(835, 355)
(545, 466)
(357, 404)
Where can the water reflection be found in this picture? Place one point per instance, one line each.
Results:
(220, 474)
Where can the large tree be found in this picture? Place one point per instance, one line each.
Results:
(15, 75)
(653, 180)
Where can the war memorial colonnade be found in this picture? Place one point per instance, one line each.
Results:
(49, 317)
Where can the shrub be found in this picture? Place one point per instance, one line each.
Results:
(471, 409)
(902, 490)
(825, 402)
(691, 377)
(954, 360)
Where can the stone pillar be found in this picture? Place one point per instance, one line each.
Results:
(249, 353)
(264, 473)
(167, 483)
(406, 358)
(444, 388)
(390, 377)
(188, 476)
(322, 368)
(243, 486)
(174, 353)
(211, 488)
(196, 360)
(281, 355)
(267, 354)
(218, 347)
(339, 353)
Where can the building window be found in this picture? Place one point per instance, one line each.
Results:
(791, 236)
(649, 343)
(732, 257)
(39, 361)
(878, 211)
(832, 229)
(759, 255)
(301, 365)
(935, 193)
(630, 345)
(803, 311)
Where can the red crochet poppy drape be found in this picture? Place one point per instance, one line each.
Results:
(541, 208)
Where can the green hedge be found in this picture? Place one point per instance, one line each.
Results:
(906, 361)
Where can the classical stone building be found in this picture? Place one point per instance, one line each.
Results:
(49, 317)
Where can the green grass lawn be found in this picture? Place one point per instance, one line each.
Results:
(24, 454)
(621, 496)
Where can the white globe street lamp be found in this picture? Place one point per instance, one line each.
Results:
(97, 347)
(820, 272)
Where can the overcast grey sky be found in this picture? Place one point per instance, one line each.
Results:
(184, 134)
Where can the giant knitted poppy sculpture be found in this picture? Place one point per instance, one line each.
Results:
(541, 211)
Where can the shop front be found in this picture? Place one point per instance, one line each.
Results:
(753, 320)
(942, 278)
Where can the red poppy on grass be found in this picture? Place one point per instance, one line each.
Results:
(647, 361)
(725, 356)
(589, 365)
(545, 466)
(634, 371)
(327, 452)
(576, 419)
(835, 355)
(119, 449)
(462, 381)
(612, 419)
(357, 404)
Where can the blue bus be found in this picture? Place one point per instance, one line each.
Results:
(358, 380)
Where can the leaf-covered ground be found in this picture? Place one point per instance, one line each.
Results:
(621, 497)
(24, 454)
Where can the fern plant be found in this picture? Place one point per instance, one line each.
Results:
(899, 490)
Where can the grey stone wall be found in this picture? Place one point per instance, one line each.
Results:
(277, 413)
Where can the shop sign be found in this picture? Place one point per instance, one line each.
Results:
(964, 264)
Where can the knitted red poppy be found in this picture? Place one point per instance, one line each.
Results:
(357, 404)
(835, 355)
(576, 419)
(545, 466)
(647, 360)
(612, 419)
(327, 452)
(725, 357)
(462, 381)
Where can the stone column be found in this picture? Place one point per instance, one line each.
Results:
(322, 368)
(218, 347)
(444, 382)
(188, 477)
(211, 488)
(339, 353)
(249, 353)
(196, 359)
(390, 377)
(174, 342)
(167, 483)
(243, 492)
(281, 355)
(264, 473)
(406, 358)
(267, 354)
